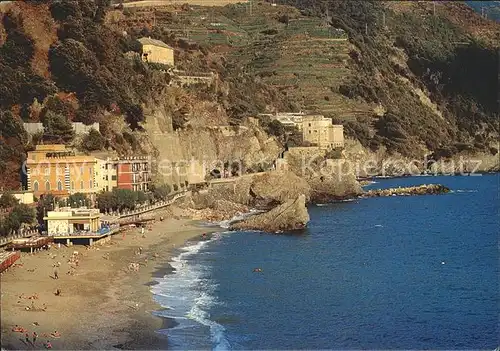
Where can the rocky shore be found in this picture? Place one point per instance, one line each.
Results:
(426, 189)
(284, 196)
(291, 215)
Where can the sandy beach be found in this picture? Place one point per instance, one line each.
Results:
(104, 304)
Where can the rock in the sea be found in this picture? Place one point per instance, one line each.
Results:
(409, 191)
(291, 215)
(278, 187)
(328, 188)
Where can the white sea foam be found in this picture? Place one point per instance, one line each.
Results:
(370, 182)
(188, 294)
(463, 191)
(227, 223)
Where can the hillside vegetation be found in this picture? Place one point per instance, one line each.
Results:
(432, 69)
(411, 77)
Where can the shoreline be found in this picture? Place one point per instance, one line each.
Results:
(103, 305)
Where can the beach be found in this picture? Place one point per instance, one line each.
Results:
(104, 304)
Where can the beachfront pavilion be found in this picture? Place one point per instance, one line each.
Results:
(73, 221)
(75, 225)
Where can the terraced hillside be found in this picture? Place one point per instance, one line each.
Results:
(301, 56)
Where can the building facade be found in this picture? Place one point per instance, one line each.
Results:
(320, 131)
(54, 169)
(156, 51)
(133, 173)
(288, 119)
(107, 174)
(67, 221)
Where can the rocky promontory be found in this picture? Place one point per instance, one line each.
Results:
(291, 215)
(425, 189)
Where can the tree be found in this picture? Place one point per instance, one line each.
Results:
(19, 49)
(57, 128)
(24, 213)
(93, 141)
(134, 114)
(284, 19)
(45, 204)
(276, 128)
(160, 192)
(20, 214)
(106, 201)
(142, 197)
(78, 199)
(8, 200)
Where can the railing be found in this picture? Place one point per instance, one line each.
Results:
(153, 207)
(104, 230)
(24, 234)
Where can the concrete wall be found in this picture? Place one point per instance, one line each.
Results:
(58, 226)
(337, 136)
(190, 80)
(81, 128)
(158, 54)
(25, 197)
(78, 127)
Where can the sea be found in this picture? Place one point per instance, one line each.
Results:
(379, 273)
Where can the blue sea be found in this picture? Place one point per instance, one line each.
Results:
(380, 273)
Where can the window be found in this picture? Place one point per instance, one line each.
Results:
(113, 177)
(309, 124)
(47, 186)
(72, 185)
(59, 185)
(90, 184)
(47, 171)
(35, 186)
(106, 177)
(81, 184)
(90, 170)
(309, 132)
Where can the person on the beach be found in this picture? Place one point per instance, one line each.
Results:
(34, 337)
(56, 274)
(48, 345)
(27, 338)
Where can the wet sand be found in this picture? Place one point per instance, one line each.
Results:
(103, 305)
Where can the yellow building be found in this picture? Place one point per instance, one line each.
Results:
(54, 169)
(106, 174)
(320, 131)
(157, 51)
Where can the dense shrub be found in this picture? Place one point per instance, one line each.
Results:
(57, 128)
(93, 141)
(8, 200)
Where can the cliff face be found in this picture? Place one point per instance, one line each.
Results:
(291, 215)
(380, 162)
(206, 144)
